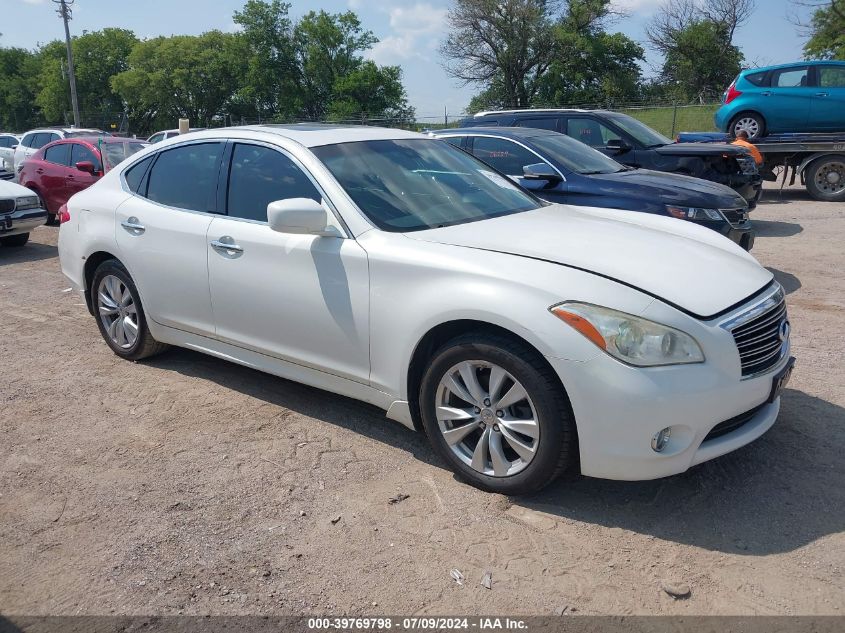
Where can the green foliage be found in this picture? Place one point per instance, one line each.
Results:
(18, 67)
(827, 40)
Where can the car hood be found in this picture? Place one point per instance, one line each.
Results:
(687, 266)
(671, 188)
(699, 149)
(13, 190)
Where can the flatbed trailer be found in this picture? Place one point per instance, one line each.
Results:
(817, 161)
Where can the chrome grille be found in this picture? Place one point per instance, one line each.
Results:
(761, 334)
(736, 217)
(7, 206)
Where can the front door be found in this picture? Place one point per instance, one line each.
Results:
(162, 235)
(827, 112)
(301, 298)
(787, 102)
(78, 180)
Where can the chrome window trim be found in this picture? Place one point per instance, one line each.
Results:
(505, 138)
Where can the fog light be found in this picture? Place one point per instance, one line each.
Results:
(661, 439)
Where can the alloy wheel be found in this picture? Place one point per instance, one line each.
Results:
(487, 418)
(118, 312)
(749, 125)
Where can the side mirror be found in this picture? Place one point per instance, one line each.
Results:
(302, 216)
(13, 146)
(619, 145)
(87, 166)
(541, 171)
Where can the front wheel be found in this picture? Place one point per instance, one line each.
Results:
(749, 122)
(825, 178)
(120, 315)
(15, 240)
(495, 411)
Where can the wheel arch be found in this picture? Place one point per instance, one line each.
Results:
(440, 334)
(93, 262)
(747, 111)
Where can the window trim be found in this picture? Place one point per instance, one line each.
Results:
(812, 78)
(608, 124)
(70, 149)
(469, 148)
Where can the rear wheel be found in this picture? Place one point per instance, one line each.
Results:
(749, 122)
(825, 178)
(120, 315)
(495, 411)
(15, 240)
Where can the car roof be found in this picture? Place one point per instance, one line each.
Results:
(507, 132)
(534, 111)
(814, 62)
(315, 134)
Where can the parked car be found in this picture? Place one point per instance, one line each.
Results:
(633, 143)
(34, 140)
(58, 170)
(799, 97)
(166, 134)
(560, 169)
(8, 142)
(20, 213)
(526, 338)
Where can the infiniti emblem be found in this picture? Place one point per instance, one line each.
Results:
(783, 331)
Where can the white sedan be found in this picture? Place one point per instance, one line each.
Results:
(524, 338)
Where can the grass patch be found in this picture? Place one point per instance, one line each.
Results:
(687, 118)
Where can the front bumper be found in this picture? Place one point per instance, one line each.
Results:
(742, 234)
(618, 410)
(19, 222)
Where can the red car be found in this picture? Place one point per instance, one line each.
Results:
(62, 168)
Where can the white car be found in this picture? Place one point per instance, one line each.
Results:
(20, 213)
(167, 134)
(34, 140)
(524, 338)
(8, 142)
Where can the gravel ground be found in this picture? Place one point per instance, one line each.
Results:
(191, 485)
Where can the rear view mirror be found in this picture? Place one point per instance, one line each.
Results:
(300, 216)
(87, 166)
(619, 145)
(541, 171)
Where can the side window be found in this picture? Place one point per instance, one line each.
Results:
(155, 138)
(590, 131)
(54, 137)
(58, 154)
(790, 78)
(7, 141)
(135, 174)
(40, 140)
(506, 156)
(186, 177)
(457, 141)
(28, 140)
(756, 79)
(832, 76)
(260, 175)
(547, 123)
(80, 153)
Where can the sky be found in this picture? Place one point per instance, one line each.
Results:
(409, 32)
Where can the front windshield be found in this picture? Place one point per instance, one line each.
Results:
(640, 131)
(575, 155)
(118, 152)
(415, 184)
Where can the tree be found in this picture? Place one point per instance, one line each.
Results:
(270, 86)
(373, 90)
(182, 76)
(827, 31)
(501, 45)
(18, 68)
(696, 40)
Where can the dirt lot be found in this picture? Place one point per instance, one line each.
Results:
(191, 485)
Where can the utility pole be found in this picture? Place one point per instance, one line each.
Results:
(66, 14)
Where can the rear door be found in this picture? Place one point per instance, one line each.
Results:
(161, 232)
(787, 102)
(828, 108)
(51, 174)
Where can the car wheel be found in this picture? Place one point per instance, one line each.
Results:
(496, 412)
(120, 315)
(825, 178)
(15, 240)
(749, 122)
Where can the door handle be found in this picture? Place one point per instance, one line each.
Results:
(226, 244)
(39, 171)
(821, 94)
(133, 225)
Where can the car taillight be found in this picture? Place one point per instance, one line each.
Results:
(731, 94)
(64, 214)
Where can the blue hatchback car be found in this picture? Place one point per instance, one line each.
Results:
(799, 97)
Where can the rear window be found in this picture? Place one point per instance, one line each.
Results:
(832, 76)
(115, 153)
(756, 79)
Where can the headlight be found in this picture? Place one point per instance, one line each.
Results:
(629, 338)
(28, 202)
(694, 213)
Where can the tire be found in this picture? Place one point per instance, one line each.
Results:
(109, 284)
(552, 451)
(825, 178)
(751, 122)
(15, 240)
(51, 219)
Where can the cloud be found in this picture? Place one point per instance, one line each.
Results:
(415, 32)
(34, 1)
(632, 6)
